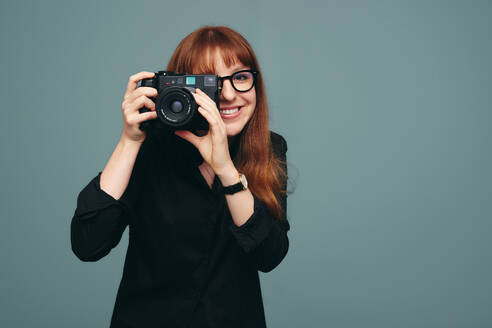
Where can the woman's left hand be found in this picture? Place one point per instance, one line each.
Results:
(214, 146)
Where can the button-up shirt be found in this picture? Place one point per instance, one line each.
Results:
(187, 263)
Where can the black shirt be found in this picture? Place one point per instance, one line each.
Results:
(187, 263)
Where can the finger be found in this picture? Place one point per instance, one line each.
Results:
(135, 78)
(211, 108)
(212, 121)
(209, 105)
(142, 91)
(188, 136)
(217, 126)
(204, 97)
(139, 118)
(198, 99)
(138, 103)
(214, 117)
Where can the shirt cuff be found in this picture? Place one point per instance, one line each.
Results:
(255, 229)
(93, 199)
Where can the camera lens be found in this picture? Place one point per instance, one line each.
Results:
(176, 106)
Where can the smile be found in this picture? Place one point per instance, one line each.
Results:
(228, 113)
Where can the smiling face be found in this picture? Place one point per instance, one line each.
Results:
(230, 99)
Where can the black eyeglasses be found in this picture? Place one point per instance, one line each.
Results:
(241, 81)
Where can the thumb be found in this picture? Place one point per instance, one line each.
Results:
(188, 136)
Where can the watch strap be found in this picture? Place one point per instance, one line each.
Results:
(241, 185)
(229, 190)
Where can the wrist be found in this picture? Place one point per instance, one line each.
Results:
(228, 176)
(129, 143)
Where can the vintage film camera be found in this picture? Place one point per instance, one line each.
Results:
(175, 105)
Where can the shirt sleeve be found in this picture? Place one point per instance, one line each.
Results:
(99, 219)
(262, 237)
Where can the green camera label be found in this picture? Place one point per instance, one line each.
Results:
(190, 80)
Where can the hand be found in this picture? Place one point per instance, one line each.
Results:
(214, 146)
(134, 99)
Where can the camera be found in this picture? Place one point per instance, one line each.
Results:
(175, 105)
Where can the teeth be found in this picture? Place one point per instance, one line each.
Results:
(229, 111)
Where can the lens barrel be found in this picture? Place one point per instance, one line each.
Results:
(176, 106)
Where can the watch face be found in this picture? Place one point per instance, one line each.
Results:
(244, 181)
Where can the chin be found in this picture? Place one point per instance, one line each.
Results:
(233, 131)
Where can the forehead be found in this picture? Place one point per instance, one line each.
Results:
(216, 61)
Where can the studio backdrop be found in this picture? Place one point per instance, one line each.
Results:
(385, 106)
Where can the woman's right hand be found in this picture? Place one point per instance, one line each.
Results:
(134, 99)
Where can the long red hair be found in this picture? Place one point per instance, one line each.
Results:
(255, 156)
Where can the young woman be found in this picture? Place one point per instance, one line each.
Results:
(195, 247)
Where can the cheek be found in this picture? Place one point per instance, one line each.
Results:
(250, 98)
(251, 104)
(253, 96)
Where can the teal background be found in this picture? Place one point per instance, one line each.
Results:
(385, 106)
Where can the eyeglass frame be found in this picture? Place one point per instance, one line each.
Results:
(221, 80)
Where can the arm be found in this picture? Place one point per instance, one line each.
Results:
(100, 218)
(116, 174)
(262, 237)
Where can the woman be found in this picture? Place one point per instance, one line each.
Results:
(194, 250)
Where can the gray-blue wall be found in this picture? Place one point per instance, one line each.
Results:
(386, 109)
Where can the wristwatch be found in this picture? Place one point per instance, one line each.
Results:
(241, 185)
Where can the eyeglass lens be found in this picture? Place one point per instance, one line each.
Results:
(241, 81)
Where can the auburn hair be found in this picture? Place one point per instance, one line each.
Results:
(255, 157)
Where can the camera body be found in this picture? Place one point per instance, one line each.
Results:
(175, 105)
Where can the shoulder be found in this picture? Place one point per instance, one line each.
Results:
(279, 143)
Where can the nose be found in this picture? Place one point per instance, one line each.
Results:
(228, 93)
